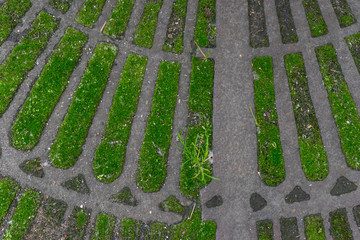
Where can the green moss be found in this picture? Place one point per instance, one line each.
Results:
(24, 214)
(339, 225)
(270, 155)
(172, 204)
(199, 125)
(22, 58)
(104, 227)
(154, 152)
(77, 184)
(194, 228)
(119, 19)
(313, 156)
(90, 12)
(353, 42)
(343, 13)
(77, 224)
(33, 167)
(130, 229)
(175, 33)
(125, 197)
(264, 229)
(55, 210)
(8, 189)
(61, 5)
(73, 131)
(314, 228)
(314, 17)
(110, 155)
(205, 30)
(158, 231)
(342, 105)
(10, 14)
(145, 32)
(32, 118)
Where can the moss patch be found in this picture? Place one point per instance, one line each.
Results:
(154, 152)
(313, 156)
(342, 105)
(314, 17)
(90, 12)
(264, 229)
(104, 227)
(33, 167)
(145, 32)
(110, 154)
(32, 118)
(339, 225)
(61, 5)
(8, 190)
(78, 222)
(10, 14)
(172, 204)
(314, 228)
(205, 30)
(25, 212)
(130, 229)
(23, 57)
(119, 19)
(199, 132)
(343, 13)
(77, 184)
(125, 197)
(175, 33)
(270, 155)
(73, 130)
(257, 24)
(354, 45)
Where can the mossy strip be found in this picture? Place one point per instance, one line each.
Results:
(10, 14)
(314, 229)
(343, 107)
(73, 131)
(90, 12)
(55, 210)
(314, 17)
(343, 13)
(130, 229)
(339, 225)
(24, 214)
(32, 118)
(23, 57)
(172, 204)
(154, 152)
(104, 227)
(205, 30)
(257, 24)
(145, 32)
(110, 154)
(270, 154)
(33, 167)
(61, 5)
(119, 19)
(199, 132)
(193, 227)
(353, 43)
(8, 189)
(264, 229)
(78, 223)
(313, 156)
(356, 212)
(175, 33)
(286, 21)
(158, 231)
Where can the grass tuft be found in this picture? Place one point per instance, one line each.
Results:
(110, 155)
(90, 12)
(73, 130)
(313, 156)
(154, 152)
(78, 223)
(23, 57)
(314, 228)
(342, 105)
(314, 17)
(145, 32)
(105, 224)
(343, 13)
(119, 19)
(264, 229)
(32, 118)
(172, 204)
(205, 30)
(8, 189)
(270, 155)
